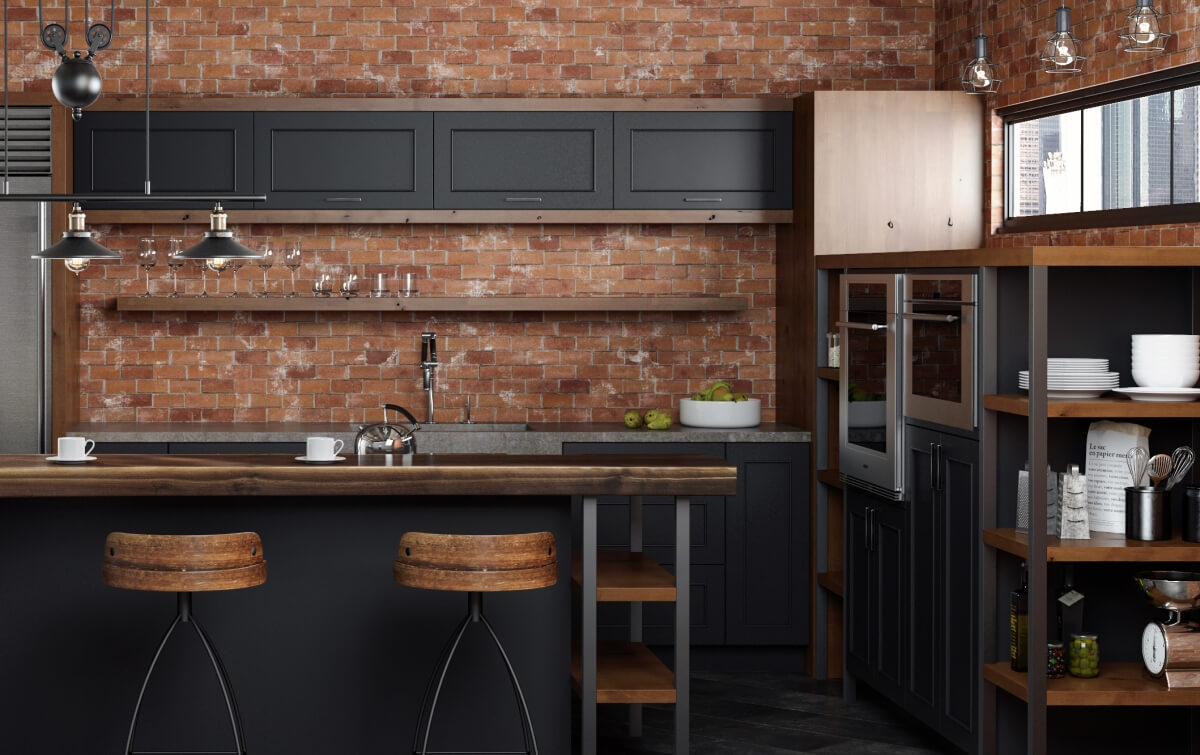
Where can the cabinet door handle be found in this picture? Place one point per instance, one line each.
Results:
(933, 469)
(941, 469)
(928, 317)
(861, 325)
(343, 199)
(871, 528)
(703, 199)
(522, 199)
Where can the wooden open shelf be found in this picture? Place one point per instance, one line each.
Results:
(829, 477)
(833, 581)
(622, 576)
(1103, 546)
(1119, 683)
(1025, 256)
(435, 304)
(829, 373)
(1099, 408)
(627, 672)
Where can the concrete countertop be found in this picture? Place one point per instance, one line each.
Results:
(540, 438)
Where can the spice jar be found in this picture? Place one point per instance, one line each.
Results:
(1085, 656)
(1056, 660)
(833, 349)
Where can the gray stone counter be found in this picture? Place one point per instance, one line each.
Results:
(539, 438)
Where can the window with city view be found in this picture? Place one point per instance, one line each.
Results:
(1075, 167)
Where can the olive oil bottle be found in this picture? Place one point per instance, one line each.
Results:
(1018, 624)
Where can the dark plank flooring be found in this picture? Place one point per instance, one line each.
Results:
(745, 714)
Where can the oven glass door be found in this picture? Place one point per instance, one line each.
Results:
(939, 349)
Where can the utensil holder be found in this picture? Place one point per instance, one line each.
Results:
(1191, 514)
(1147, 515)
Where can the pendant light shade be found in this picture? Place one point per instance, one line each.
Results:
(77, 247)
(218, 242)
(979, 77)
(1144, 30)
(1061, 52)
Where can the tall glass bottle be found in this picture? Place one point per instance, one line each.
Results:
(1018, 624)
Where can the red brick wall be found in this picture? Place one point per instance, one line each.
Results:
(521, 367)
(1016, 32)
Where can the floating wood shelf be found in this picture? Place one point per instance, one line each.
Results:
(1119, 683)
(435, 304)
(1049, 256)
(1102, 546)
(627, 672)
(625, 576)
(1094, 407)
(833, 581)
(409, 217)
(829, 477)
(829, 373)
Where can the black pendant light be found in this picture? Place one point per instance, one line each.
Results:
(76, 249)
(1061, 53)
(979, 76)
(218, 243)
(76, 83)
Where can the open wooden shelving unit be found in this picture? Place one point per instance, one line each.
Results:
(1119, 683)
(1095, 408)
(833, 581)
(1102, 547)
(434, 304)
(622, 576)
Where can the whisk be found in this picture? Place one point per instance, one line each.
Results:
(1136, 459)
(1158, 469)
(1181, 463)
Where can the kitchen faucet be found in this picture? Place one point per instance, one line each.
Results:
(429, 364)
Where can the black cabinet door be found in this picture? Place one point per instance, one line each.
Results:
(703, 161)
(958, 511)
(210, 153)
(889, 610)
(856, 560)
(523, 161)
(925, 646)
(344, 161)
(766, 545)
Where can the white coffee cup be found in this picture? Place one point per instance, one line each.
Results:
(74, 448)
(320, 447)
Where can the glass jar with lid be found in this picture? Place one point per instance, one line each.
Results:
(1084, 658)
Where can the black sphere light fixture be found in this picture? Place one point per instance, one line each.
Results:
(77, 82)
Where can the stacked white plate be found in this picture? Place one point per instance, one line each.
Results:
(1074, 378)
(1165, 367)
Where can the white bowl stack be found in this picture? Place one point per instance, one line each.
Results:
(1166, 361)
(1071, 378)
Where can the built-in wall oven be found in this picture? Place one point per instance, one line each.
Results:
(908, 352)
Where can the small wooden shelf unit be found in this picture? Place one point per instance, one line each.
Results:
(1119, 683)
(1101, 547)
(1098, 408)
(435, 304)
(829, 373)
(829, 477)
(833, 581)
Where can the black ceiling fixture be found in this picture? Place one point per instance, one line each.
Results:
(76, 82)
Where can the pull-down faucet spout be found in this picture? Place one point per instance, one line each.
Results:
(429, 364)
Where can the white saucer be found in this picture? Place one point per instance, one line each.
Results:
(330, 460)
(79, 460)
(1160, 394)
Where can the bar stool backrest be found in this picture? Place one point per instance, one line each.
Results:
(477, 563)
(184, 563)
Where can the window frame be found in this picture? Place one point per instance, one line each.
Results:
(1167, 80)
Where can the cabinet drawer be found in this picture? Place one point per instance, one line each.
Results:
(523, 161)
(703, 161)
(344, 161)
(707, 609)
(208, 153)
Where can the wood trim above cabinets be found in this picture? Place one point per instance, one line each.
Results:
(386, 104)
(487, 217)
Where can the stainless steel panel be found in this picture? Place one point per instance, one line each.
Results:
(939, 381)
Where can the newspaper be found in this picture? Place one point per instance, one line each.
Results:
(1107, 473)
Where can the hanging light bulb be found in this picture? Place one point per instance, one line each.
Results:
(1143, 29)
(979, 77)
(1061, 52)
(217, 264)
(218, 243)
(76, 247)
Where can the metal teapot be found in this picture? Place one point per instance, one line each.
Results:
(385, 438)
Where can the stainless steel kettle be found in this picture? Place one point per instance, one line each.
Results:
(386, 438)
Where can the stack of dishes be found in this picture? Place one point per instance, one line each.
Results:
(1165, 367)
(1074, 378)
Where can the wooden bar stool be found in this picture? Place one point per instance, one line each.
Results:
(184, 564)
(474, 564)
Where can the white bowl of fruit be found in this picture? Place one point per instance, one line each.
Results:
(720, 406)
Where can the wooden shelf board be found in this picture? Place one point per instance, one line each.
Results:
(625, 576)
(1095, 407)
(1103, 546)
(833, 581)
(1119, 683)
(829, 373)
(409, 217)
(1049, 256)
(627, 672)
(436, 304)
(829, 477)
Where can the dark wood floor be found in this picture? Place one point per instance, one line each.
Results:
(770, 714)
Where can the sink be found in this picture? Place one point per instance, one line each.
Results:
(477, 427)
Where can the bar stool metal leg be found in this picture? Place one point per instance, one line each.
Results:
(184, 615)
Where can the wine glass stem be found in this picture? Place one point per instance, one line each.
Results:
(293, 273)
(204, 281)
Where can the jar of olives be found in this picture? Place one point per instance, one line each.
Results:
(1056, 660)
(1084, 659)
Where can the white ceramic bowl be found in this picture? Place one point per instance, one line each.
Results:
(746, 413)
(1163, 337)
(1166, 377)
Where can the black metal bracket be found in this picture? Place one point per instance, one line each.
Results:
(99, 36)
(54, 36)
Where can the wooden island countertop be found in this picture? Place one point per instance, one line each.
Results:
(32, 476)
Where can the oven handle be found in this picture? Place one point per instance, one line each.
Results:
(862, 325)
(931, 318)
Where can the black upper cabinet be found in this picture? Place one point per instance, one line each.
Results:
(703, 161)
(344, 161)
(523, 161)
(192, 153)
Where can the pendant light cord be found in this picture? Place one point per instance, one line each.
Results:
(147, 95)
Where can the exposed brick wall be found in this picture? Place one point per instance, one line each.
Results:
(1016, 32)
(536, 367)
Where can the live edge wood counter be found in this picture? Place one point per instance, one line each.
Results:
(31, 476)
